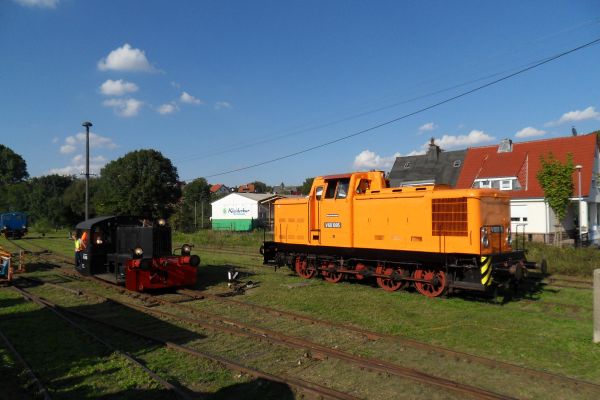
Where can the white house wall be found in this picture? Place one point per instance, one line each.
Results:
(537, 214)
(235, 206)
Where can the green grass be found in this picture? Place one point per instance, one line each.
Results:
(542, 327)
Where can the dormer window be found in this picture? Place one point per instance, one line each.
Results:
(407, 165)
(456, 163)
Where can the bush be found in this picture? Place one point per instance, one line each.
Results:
(565, 260)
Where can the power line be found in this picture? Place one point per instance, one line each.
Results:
(316, 125)
(391, 121)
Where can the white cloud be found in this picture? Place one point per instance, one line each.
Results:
(474, 137)
(124, 107)
(219, 105)
(77, 163)
(77, 166)
(55, 140)
(529, 132)
(67, 149)
(577, 115)
(78, 140)
(367, 159)
(189, 99)
(38, 3)
(427, 127)
(126, 58)
(167, 108)
(175, 85)
(117, 88)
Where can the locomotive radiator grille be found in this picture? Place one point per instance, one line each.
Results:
(449, 217)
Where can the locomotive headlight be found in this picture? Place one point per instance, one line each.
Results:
(186, 249)
(99, 240)
(485, 242)
(24, 227)
(162, 222)
(138, 252)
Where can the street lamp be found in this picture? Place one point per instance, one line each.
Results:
(87, 125)
(578, 168)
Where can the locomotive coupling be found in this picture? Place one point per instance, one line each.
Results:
(518, 271)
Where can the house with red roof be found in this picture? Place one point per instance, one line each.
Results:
(219, 189)
(513, 167)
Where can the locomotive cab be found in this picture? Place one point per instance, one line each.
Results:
(105, 251)
(135, 252)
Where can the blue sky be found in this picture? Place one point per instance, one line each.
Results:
(205, 81)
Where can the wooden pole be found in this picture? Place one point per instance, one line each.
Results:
(597, 305)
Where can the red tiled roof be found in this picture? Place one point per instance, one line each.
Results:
(216, 187)
(524, 163)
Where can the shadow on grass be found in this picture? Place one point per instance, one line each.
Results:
(213, 275)
(72, 365)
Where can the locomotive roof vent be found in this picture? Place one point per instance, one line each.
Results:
(505, 146)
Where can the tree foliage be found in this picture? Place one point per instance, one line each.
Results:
(13, 168)
(259, 187)
(196, 198)
(556, 179)
(74, 198)
(306, 186)
(45, 200)
(143, 182)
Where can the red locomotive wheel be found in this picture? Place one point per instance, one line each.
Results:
(434, 289)
(333, 277)
(387, 284)
(303, 269)
(360, 267)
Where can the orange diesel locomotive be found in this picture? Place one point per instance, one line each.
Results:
(433, 237)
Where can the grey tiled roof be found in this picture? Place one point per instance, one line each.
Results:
(431, 167)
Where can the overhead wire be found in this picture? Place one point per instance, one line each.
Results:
(410, 114)
(310, 126)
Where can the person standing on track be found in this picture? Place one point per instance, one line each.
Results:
(78, 249)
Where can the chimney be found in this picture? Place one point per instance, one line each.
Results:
(573, 131)
(433, 153)
(505, 146)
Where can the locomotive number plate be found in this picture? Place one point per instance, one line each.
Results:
(333, 224)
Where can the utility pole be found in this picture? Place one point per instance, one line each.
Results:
(202, 207)
(195, 216)
(87, 125)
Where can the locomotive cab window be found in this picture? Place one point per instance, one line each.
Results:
(330, 191)
(342, 188)
(319, 192)
(363, 186)
(337, 188)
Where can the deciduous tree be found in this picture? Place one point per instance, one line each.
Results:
(143, 182)
(13, 168)
(556, 179)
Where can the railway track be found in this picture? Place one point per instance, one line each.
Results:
(283, 340)
(312, 389)
(40, 390)
(233, 327)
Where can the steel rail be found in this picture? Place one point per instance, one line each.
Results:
(552, 377)
(241, 329)
(133, 360)
(41, 390)
(308, 387)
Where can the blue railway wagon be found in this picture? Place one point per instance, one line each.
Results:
(13, 224)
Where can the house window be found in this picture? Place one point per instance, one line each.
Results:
(456, 163)
(515, 219)
(485, 184)
(506, 184)
(407, 165)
